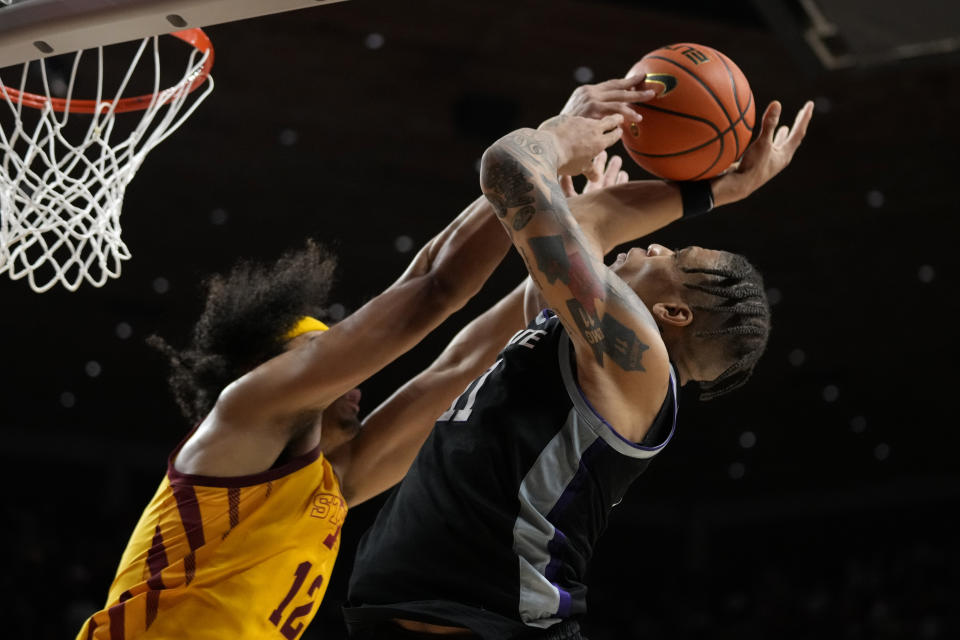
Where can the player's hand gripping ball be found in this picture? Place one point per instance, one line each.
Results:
(702, 118)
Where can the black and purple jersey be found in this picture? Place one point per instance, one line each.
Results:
(494, 524)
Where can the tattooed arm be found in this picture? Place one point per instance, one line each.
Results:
(623, 365)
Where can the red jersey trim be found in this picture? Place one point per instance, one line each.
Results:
(232, 482)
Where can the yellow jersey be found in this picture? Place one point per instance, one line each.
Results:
(244, 557)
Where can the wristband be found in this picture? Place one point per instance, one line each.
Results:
(697, 197)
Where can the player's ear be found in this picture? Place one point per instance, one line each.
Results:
(677, 314)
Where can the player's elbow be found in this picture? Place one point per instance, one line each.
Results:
(439, 281)
(451, 279)
(495, 166)
(429, 298)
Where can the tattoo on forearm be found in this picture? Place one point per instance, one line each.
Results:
(522, 217)
(572, 269)
(509, 182)
(585, 285)
(519, 175)
(606, 335)
(510, 185)
(551, 258)
(528, 145)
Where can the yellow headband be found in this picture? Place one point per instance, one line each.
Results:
(304, 324)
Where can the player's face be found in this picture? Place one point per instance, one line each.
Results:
(648, 266)
(340, 421)
(656, 272)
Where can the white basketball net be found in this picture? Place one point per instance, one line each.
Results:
(60, 198)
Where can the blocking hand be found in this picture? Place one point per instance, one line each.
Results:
(609, 97)
(611, 175)
(579, 140)
(767, 156)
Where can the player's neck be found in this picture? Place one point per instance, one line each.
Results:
(678, 357)
(683, 373)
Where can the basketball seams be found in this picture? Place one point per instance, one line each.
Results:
(727, 62)
(720, 134)
(736, 98)
(712, 81)
(717, 138)
(744, 121)
(703, 84)
(716, 99)
(684, 152)
(748, 127)
(680, 114)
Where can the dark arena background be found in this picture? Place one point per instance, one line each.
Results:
(814, 503)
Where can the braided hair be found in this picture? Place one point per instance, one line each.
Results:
(245, 317)
(737, 318)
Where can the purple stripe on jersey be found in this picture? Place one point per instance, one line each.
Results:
(580, 478)
(126, 595)
(577, 483)
(559, 541)
(153, 605)
(617, 433)
(555, 547)
(91, 629)
(189, 566)
(115, 613)
(233, 498)
(633, 444)
(156, 560)
(189, 509)
(563, 609)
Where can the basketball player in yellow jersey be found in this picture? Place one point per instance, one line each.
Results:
(241, 536)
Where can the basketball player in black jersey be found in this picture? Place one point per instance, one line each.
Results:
(490, 532)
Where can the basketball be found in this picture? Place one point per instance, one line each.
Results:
(701, 119)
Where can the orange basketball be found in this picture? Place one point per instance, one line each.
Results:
(702, 118)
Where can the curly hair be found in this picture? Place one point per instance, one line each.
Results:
(738, 317)
(244, 319)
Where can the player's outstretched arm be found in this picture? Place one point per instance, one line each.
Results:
(616, 340)
(256, 416)
(444, 274)
(634, 209)
(393, 433)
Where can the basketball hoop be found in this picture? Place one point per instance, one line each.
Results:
(60, 193)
